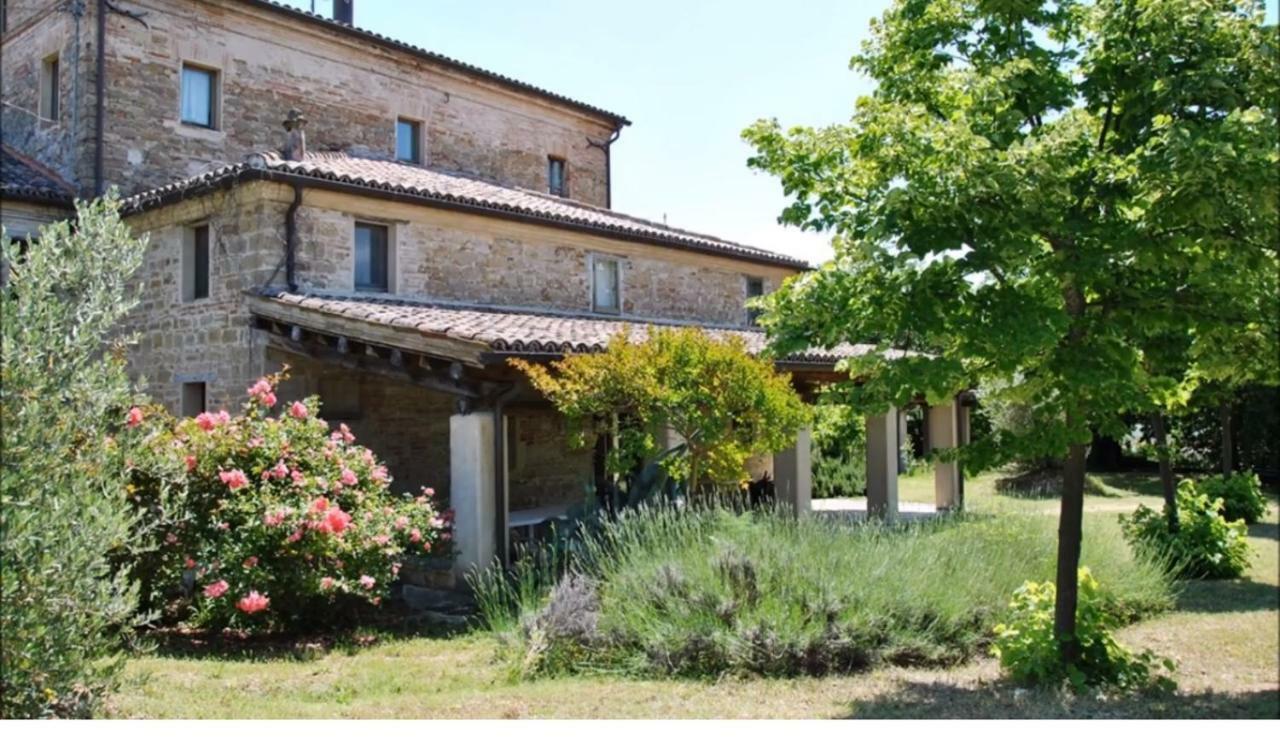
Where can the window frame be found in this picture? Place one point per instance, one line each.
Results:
(389, 267)
(215, 95)
(50, 106)
(190, 264)
(415, 126)
(595, 260)
(552, 162)
(747, 282)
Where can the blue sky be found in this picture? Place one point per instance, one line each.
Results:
(690, 75)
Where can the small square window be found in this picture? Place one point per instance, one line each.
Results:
(557, 181)
(372, 270)
(605, 285)
(194, 401)
(199, 96)
(49, 88)
(755, 288)
(409, 141)
(195, 264)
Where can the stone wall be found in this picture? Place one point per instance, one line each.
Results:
(443, 255)
(352, 92)
(25, 220)
(543, 468)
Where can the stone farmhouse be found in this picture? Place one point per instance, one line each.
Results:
(391, 223)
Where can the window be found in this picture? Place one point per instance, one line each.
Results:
(755, 288)
(605, 285)
(409, 141)
(556, 181)
(193, 399)
(49, 88)
(195, 264)
(199, 96)
(371, 258)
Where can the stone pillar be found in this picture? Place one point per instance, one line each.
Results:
(793, 474)
(472, 491)
(882, 465)
(944, 435)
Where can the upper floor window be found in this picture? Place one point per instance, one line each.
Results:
(195, 264)
(755, 288)
(199, 96)
(49, 88)
(409, 141)
(557, 181)
(372, 264)
(605, 285)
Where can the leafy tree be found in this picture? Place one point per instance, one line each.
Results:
(64, 402)
(1034, 192)
(724, 403)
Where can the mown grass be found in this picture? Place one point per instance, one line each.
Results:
(701, 593)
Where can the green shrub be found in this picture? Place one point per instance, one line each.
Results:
(839, 452)
(1241, 496)
(1025, 644)
(284, 523)
(1205, 546)
(707, 591)
(63, 406)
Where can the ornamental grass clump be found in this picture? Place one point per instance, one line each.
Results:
(286, 524)
(701, 592)
(1204, 546)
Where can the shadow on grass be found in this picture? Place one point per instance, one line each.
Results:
(1237, 595)
(1006, 700)
(174, 644)
(1265, 530)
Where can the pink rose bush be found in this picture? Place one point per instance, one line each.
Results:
(281, 520)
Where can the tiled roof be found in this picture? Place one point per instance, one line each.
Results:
(453, 191)
(440, 59)
(22, 178)
(516, 331)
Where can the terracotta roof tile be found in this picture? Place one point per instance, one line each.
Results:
(451, 190)
(518, 331)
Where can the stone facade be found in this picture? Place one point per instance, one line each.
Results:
(24, 219)
(352, 90)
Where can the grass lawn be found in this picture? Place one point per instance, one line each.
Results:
(1225, 636)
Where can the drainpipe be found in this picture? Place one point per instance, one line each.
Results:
(100, 100)
(291, 239)
(604, 145)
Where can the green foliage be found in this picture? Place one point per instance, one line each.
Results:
(284, 522)
(63, 404)
(724, 403)
(1027, 649)
(839, 452)
(703, 592)
(1241, 496)
(1205, 546)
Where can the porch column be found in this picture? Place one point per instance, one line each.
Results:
(882, 465)
(943, 435)
(472, 492)
(793, 474)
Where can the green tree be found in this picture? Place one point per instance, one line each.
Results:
(64, 404)
(1033, 192)
(724, 403)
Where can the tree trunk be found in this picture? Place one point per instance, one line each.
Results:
(1228, 453)
(1069, 530)
(1166, 470)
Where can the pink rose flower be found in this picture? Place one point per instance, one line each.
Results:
(233, 479)
(298, 409)
(134, 418)
(347, 436)
(206, 421)
(251, 561)
(319, 505)
(216, 589)
(189, 562)
(336, 520)
(253, 602)
(224, 526)
(349, 477)
(429, 492)
(262, 392)
(367, 581)
(170, 538)
(415, 535)
(191, 463)
(294, 537)
(326, 583)
(382, 539)
(402, 522)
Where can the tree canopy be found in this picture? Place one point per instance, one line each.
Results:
(1049, 194)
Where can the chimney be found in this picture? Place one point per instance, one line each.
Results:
(295, 139)
(344, 11)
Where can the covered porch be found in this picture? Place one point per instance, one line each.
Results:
(427, 386)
